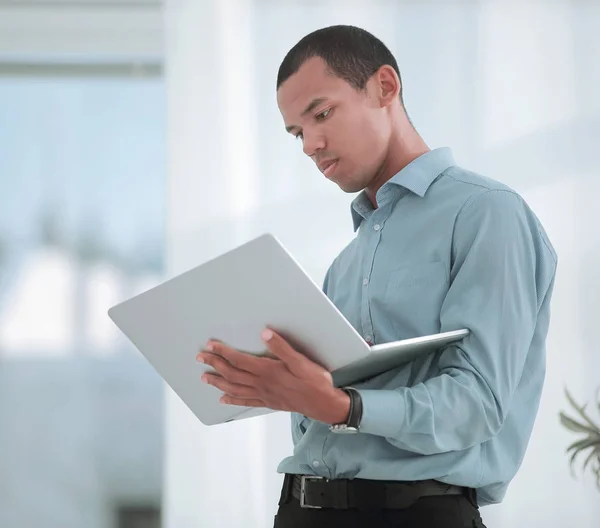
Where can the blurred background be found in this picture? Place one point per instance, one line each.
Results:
(82, 226)
(140, 138)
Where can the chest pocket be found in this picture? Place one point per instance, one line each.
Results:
(413, 297)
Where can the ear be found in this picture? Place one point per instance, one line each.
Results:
(388, 85)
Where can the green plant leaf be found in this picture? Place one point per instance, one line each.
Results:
(573, 457)
(584, 443)
(580, 446)
(575, 426)
(593, 452)
(570, 399)
(580, 410)
(591, 439)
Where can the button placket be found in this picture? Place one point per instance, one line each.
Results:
(367, 326)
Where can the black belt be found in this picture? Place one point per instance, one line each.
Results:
(317, 492)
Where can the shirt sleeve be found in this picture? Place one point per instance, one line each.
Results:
(494, 293)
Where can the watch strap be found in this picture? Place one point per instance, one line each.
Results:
(356, 407)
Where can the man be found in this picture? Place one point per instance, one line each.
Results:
(437, 248)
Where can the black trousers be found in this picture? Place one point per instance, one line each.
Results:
(450, 511)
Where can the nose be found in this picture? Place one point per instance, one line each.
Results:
(312, 142)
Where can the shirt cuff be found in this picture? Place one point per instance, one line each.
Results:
(384, 413)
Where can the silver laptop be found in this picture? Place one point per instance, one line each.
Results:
(232, 298)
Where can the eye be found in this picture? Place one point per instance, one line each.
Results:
(299, 135)
(323, 115)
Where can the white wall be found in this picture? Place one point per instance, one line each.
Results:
(520, 108)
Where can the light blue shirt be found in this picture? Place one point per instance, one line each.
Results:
(445, 249)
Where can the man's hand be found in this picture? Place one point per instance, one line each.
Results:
(288, 382)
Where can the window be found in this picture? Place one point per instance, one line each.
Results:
(81, 227)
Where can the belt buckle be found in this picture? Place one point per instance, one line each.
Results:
(303, 481)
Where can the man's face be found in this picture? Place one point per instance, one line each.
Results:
(344, 131)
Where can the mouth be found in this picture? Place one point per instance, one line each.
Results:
(328, 168)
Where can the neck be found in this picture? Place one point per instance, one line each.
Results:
(405, 146)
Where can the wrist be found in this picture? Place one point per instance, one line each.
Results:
(340, 408)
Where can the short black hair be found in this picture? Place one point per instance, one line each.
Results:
(351, 53)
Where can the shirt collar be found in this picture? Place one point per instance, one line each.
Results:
(416, 177)
(361, 208)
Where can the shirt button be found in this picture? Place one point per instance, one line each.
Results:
(365, 282)
(316, 463)
(377, 227)
(368, 338)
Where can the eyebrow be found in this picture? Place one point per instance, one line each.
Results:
(311, 106)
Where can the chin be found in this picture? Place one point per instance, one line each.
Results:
(350, 187)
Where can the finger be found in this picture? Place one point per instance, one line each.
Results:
(238, 359)
(230, 389)
(283, 350)
(228, 400)
(226, 369)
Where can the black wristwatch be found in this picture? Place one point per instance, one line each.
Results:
(352, 425)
